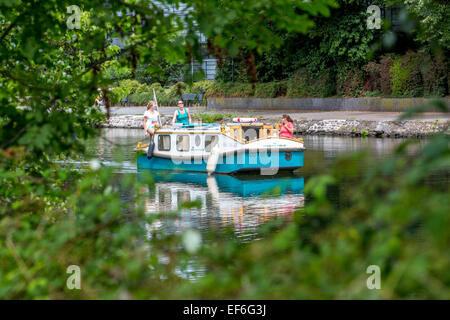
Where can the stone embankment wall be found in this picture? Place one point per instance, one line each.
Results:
(406, 128)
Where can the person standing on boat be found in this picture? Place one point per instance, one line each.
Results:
(287, 127)
(150, 118)
(181, 115)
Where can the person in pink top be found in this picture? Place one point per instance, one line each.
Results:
(287, 127)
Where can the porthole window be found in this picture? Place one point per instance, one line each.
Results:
(198, 140)
(182, 143)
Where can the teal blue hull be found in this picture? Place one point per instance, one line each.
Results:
(243, 185)
(285, 160)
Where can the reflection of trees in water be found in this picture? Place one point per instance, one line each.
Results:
(332, 146)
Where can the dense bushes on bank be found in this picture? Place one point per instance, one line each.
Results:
(339, 56)
(410, 75)
(139, 94)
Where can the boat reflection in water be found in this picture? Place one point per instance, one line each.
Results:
(242, 202)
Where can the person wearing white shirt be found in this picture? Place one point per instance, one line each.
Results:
(150, 118)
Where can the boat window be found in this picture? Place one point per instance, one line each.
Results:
(182, 143)
(210, 142)
(198, 140)
(250, 133)
(164, 142)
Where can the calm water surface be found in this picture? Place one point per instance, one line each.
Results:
(242, 202)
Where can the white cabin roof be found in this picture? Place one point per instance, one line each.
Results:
(193, 128)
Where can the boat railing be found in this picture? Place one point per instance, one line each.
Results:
(235, 132)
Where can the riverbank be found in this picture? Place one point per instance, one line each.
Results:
(314, 123)
(370, 104)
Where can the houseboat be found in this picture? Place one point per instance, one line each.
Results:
(226, 148)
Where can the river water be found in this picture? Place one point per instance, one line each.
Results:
(241, 202)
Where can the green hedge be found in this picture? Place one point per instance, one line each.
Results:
(304, 84)
(413, 74)
(350, 81)
(140, 99)
(271, 89)
(410, 75)
(163, 96)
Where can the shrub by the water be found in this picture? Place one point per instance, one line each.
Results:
(304, 84)
(413, 74)
(176, 89)
(228, 89)
(208, 117)
(141, 99)
(156, 85)
(379, 76)
(405, 75)
(350, 81)
(297, 86)
(115, 74)
(435, 73)
(410, 75)
(271, 89)
(133, 86)
(201, 86)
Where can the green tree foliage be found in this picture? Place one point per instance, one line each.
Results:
(115, 74)
(167, 75)
(433, 16)
(413, 74)
(341, 40)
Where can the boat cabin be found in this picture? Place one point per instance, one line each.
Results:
(204, 138)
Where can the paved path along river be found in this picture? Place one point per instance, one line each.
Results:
(339, 115)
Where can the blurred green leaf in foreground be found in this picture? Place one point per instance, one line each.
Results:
(52, 216)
